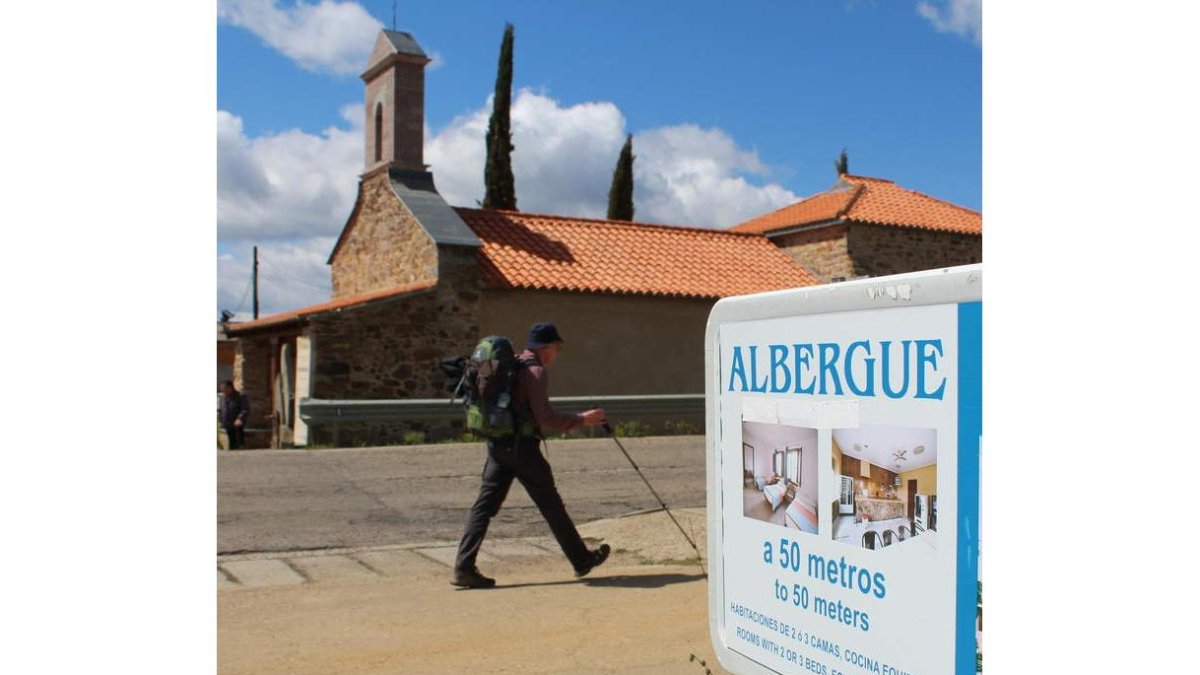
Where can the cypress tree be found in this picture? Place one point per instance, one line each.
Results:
(842, 164)
(500, 190)
(620, 194)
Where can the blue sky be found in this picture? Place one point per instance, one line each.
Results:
(734, 112)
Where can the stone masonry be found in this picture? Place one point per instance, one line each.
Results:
(391, 349)
(878, 250)
(251, 376)
(821, 251)
(845, 251)
(385, 247)
(396, 94)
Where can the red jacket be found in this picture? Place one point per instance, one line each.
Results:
(532, 397)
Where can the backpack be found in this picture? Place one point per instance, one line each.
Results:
(488, 382)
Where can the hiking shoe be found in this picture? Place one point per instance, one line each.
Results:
(472, 579)
(595, 560)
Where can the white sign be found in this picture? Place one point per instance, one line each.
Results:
(844, 427)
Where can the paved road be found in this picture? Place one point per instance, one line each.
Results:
(287, 500)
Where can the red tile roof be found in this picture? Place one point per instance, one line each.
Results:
(526, 250)
(870, 200)
(297, 315)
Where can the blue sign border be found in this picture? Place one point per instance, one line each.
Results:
(970, 428)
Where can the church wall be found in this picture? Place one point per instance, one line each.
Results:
(391, 349)
(846, 251)
(879, 250)
(252, 370)
(386, 246)
(380, 94)
(613, 344)
(821, 251)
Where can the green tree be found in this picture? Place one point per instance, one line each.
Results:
(500, 190)
(620, 194)
(842, 164)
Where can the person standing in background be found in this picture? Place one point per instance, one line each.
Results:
(233, 413)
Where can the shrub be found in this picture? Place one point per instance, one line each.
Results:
(631, 429)
(412, 438)
(679, 428)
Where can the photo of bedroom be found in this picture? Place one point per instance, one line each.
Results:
(779, 475)
(888, 481)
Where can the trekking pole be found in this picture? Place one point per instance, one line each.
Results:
(699, 558)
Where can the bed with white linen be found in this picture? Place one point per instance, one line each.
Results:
(774, 493)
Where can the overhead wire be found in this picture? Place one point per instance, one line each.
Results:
(242, 302)
(280, 274)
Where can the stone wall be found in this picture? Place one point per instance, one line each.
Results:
(821, 251)
(391, 349)
(879, 250)
(614, 345)
(385, 246)
(840, 252)
(252, 376)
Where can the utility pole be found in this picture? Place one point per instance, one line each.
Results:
(256, 282)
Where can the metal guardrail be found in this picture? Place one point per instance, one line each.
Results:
(319, 412)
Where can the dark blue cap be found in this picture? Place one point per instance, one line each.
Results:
(542, 334)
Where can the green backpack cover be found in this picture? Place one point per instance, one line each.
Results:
(489, 380)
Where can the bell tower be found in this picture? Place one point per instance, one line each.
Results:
(395, 103)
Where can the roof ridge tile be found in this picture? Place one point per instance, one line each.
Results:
(602, 221)
(876, 179)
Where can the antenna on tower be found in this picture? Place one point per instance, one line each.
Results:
(393, 14)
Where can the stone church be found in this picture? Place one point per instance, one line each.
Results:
(416, 280)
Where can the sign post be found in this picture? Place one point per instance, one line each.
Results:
(844, 426)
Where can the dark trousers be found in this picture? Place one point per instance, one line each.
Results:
(237, 436)
(523, 461)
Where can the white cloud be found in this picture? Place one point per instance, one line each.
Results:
(961, 17)
(327, 36)
(560, 162)
(288, 184)
(564, 159)
(693, 176)
(290, 193)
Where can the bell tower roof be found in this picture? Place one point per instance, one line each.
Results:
(403, 43)
(395, 103)
(392, 46)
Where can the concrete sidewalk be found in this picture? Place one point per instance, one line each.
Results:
(393, 610)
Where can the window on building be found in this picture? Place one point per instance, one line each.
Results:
(378, 132)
